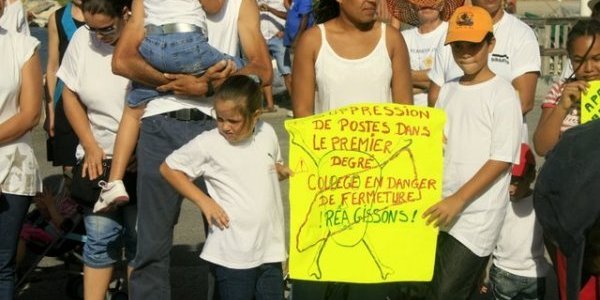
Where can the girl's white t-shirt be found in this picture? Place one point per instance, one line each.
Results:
(242, 179)
(483, 123)
(86, 70)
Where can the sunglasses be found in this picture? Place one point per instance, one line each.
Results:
(108, 30)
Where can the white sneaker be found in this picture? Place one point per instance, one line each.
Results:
(113, 194)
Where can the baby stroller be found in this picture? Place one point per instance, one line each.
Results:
(55, 228)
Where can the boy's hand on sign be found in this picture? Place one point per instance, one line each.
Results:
(444, 212)
(283, 172)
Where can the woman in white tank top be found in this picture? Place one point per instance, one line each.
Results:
(349, 58)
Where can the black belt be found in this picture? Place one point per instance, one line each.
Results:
(187, 114)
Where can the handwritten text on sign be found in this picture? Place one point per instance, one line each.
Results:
(590, 102)
(363, 176)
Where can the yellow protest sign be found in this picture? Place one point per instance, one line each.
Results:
(363, 175)
(590, 102)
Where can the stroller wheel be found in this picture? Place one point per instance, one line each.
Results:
(74, 287)
(119, 296)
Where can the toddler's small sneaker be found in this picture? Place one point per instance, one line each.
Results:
(113, 194)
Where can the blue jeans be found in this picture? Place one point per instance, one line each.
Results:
(508, 286)
(264, 282)
(13, 209)
(107, 233)
(457, 270)
(277, 51)
(178, 53)
(158, 203)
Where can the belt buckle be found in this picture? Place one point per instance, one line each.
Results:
(153, 29)
(183, 114)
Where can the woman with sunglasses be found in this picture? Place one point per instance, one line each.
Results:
(20, 95)
(94, 99)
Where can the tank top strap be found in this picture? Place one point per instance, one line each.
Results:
(67, 22)
(323, 36)
(383, 30)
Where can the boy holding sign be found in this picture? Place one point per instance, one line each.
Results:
(483, 133)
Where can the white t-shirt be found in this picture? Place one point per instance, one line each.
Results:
(520, 246)
(223, 34)
(483, 123)
(270, 24)
(160, 12)
(86, 70)
(14, 19)
(343, 81)
(516, 52)
(421, 50)
(19, 171)
(242, 179)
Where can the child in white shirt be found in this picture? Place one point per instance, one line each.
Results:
(241, 163)
(483, 134)
(519, 267)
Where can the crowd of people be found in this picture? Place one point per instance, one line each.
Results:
(149, 102)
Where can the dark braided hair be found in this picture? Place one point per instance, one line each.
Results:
(325, 10)
(588, 27)
(111, 8)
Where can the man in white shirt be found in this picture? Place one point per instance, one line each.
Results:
(516, 56)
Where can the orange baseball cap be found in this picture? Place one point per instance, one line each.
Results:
(470, 24)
